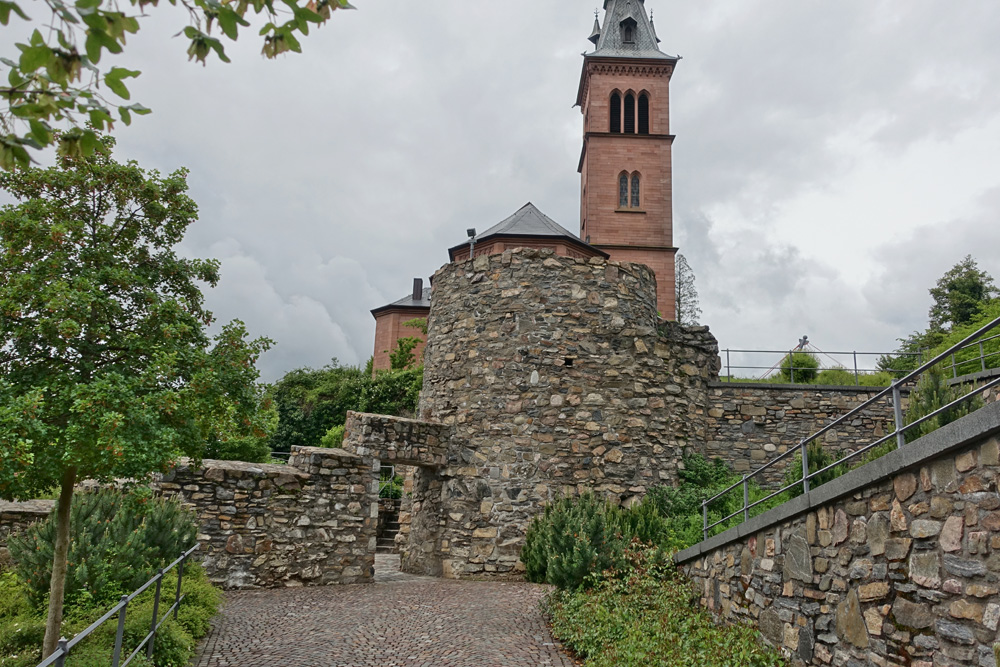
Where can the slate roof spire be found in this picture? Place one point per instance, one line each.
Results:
(627, 32)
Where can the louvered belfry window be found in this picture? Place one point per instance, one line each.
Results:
(616, 113)
(635, 190)
(643, 114)
(623, 191)
(630, 114)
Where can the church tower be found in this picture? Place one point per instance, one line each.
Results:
(626, 202)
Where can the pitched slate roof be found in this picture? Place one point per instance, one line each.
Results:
(644, 41)
(408, 302)
(527, 222)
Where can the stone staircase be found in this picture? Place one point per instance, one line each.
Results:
(390, 528)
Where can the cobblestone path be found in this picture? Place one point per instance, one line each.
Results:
(400, 621)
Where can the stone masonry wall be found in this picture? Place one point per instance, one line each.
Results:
(895, 563)
(15, 517)
(409, 442)
(311, 522)
(750, 424)
(557, 377)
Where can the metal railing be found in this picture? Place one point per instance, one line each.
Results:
(898, 434)
(387, 475)
(981, 359)
(850, 357)
(58, 657)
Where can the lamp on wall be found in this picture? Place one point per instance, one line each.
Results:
(471, 231)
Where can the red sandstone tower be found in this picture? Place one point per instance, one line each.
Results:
(626, 203)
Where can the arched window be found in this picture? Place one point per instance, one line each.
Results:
(643, 114)
(623, 190)
(616, 113)
(635, 190)
(627, 36)
(630, 114)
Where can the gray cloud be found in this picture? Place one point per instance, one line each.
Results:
(327, 180)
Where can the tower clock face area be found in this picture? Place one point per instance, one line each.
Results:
(626, 203)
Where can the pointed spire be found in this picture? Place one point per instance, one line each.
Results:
(596, 34)
(627, 32)
(652, 28)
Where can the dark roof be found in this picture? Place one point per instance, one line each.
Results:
(644, 42)
(407, 302)
(527, 222)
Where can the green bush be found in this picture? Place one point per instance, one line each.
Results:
(571, 539)
(646, 613)
(334, 438)
(819, 458)
(931, 393)
(22, 626)
(118, 540)
(391, 487)
(700, 479)
(799, 367)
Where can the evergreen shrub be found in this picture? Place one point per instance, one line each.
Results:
(118, 540)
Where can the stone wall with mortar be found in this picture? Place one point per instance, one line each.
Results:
(749, 424)
(555, 377)
(427, 447)
(15, 517)
(894, 563)
(311, 522)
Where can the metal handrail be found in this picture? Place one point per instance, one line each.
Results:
(898, 432)
(58, 657)
(857, 370)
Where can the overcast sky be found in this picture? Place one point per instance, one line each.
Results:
(832, 159)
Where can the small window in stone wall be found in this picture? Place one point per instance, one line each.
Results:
(630, 114)
(635, 190)
(644, 114)
(623, 190)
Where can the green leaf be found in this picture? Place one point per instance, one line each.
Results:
(114, 77)
(6, 7)
(41, 131)
(125, 114)
(87, 4)
(34, 57)
(139, 109)
(89, 142)
(93, 47)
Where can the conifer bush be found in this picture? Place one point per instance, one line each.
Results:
(118, 541)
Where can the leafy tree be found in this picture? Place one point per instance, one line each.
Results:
(107, 370)
(688, 310)
(959, 294)
(402, 357)
(58, 78)
(311, 401)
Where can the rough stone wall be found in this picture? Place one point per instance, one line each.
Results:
(15, 517)
(555, 378)
(311, 522)
(749, 424)
(427, 446)
(903, 570)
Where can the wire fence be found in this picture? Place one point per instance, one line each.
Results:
(892, 393)
(58, 657)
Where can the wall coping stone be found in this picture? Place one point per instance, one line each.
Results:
(973, 427)
(720, 384)
(41, 508)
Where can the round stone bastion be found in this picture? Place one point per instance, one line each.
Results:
(558, 378)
